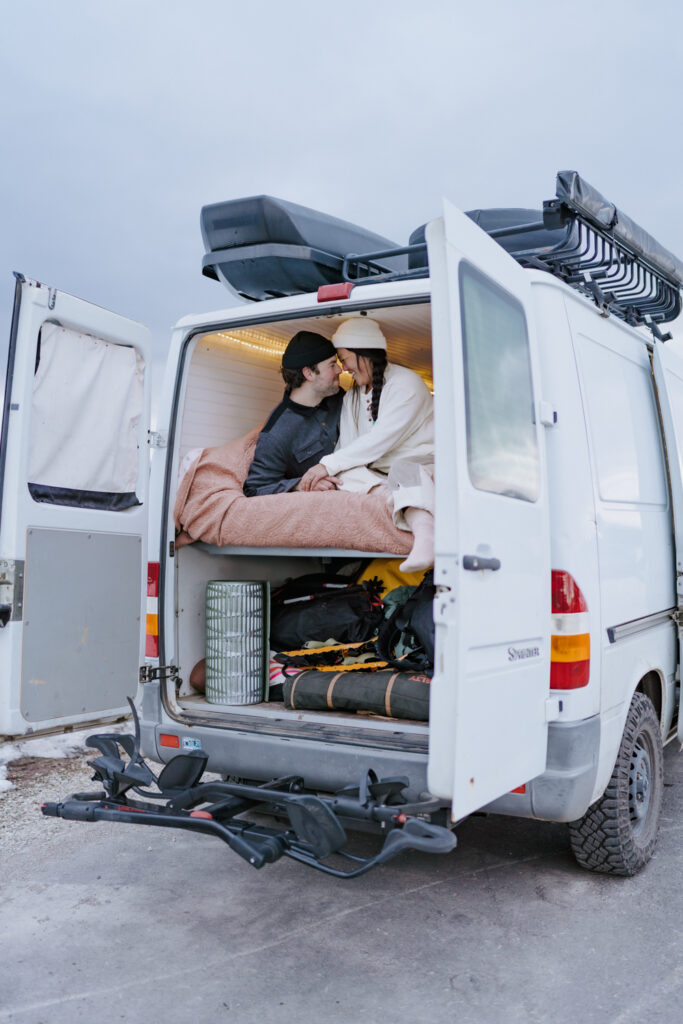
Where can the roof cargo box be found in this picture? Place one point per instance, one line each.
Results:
(517, 230)
(263, 247)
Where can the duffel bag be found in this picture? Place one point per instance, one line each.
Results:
(322, 607)
(387, 692)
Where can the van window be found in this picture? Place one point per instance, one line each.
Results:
(502, 448)
(85, 414)
(624, 426)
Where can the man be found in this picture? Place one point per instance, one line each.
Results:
(304, 427)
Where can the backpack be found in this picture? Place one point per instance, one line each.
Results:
(321, 607)
(410, 630)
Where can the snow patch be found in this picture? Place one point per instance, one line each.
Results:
(67, 744)
(5, 784)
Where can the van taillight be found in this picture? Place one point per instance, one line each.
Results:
(570, 646)
(152, 637)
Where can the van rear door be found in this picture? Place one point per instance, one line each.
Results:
(668, 373)
(73, 511)
(488, 729)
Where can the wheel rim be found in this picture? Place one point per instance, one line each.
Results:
(640, 783)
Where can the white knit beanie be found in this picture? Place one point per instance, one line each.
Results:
(359, 332)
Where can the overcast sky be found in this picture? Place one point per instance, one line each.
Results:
(119, 120)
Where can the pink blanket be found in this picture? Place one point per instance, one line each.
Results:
(211, 506)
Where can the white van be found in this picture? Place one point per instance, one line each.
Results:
(559, 555)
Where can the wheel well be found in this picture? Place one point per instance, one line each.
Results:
(651, 686)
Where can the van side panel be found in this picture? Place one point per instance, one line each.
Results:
(633, 518)
(573, 529)
(611, 528)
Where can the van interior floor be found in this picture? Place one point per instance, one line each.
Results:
(277, 709)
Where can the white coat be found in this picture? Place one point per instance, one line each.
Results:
(404, 430)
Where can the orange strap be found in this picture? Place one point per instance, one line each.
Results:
(387, 695)
(330, 647)
(330, 688)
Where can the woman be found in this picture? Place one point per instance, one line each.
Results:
(386, 436)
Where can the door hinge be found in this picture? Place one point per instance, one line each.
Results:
(150, 672)
(11, 590)
(155, 439)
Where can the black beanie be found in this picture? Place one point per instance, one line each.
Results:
(306, 349)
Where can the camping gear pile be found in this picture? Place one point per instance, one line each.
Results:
(337, 644)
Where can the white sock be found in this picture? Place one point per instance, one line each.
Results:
(421, 554)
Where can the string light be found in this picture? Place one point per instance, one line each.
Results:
(255, 341)
(258, 341)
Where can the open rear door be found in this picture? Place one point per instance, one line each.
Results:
(488, 731)
(73, 511)
(668, 372)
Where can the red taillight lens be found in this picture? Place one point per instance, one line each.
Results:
(566, 595)
(569, 675)
(151, 646)
(152, 579)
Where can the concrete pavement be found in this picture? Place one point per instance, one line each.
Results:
(130, 924)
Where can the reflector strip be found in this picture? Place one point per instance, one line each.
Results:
(519, 789)
(167, 739)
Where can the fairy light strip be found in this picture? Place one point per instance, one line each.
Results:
(257, 341)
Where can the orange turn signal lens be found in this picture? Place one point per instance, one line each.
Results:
(570, 648)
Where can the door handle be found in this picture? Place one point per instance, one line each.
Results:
(473, 563)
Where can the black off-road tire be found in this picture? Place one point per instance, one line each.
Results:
(618, 833)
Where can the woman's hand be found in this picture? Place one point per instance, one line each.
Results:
(328, 483)
(317, 479)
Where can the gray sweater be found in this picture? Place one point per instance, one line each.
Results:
(294, 438)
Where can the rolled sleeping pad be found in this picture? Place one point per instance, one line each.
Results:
(385, 692)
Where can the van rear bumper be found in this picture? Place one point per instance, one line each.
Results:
(261, 755)
(564, 791)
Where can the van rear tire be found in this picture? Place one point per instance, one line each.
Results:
(617, 834)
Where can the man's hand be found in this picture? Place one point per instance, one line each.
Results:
(317, 479)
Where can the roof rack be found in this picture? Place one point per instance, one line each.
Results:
(263, 247)
(579, 237)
